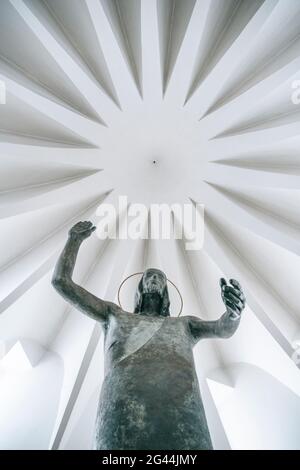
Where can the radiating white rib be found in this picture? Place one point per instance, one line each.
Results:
(26, 284)
(262, 62)
(217, 173)
(215, 246)
(97, 182)
(280, 209)
(253, 140)
(215, 122)
(152, 73)
(72, 156)
(79, 33)
(211, 198)
(179, 82)
(29, 191)
(17, 75)
(97, 98)
(119, 71)
(86, 404)
(26, 269)
(82, 126)
(204, 95)
(278, 114)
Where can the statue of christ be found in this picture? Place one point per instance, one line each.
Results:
(150, 397)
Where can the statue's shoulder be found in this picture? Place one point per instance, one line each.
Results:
(114, 309)
(118, 313)
(192, 319)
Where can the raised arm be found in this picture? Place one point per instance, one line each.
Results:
(62, 278)
(228, 323)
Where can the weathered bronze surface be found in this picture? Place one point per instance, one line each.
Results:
(150, 397)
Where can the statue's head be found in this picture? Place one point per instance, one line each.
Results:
(153, 286)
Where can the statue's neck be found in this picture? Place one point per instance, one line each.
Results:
(151, 304)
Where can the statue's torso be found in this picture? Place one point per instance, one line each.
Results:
(127, 332)
(150, 397)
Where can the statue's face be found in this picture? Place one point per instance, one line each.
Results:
(154, 280)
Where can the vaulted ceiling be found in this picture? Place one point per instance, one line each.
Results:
(96, 90)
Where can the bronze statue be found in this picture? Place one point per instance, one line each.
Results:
(150, 397)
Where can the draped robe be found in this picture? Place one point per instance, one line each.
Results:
(150, 398)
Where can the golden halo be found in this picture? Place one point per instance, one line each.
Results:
(139, 273)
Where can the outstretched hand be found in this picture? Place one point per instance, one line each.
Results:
(233, 297)
(82, 230)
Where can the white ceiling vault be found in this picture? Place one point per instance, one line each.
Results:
(95, 91)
